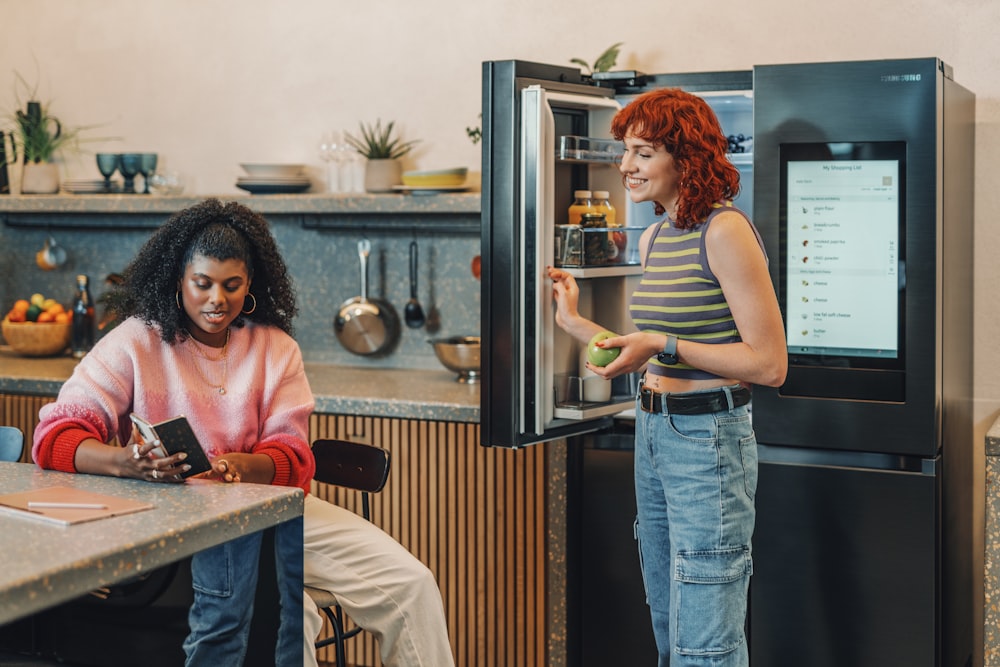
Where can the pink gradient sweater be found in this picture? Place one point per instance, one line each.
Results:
(265, 409)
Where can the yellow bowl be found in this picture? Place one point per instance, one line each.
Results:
(33, 339)
(437, 178)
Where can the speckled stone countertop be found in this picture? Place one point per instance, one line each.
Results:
(991, 612)
(341, 390)
(43, 564)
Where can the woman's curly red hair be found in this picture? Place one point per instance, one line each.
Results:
(688, 129)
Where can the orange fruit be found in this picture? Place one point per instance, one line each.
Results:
(45, 316)
(21, 305)
(62, 318)
(55, 308)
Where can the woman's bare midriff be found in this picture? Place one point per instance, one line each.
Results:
(665, 385)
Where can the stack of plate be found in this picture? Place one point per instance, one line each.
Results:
(84, 186)
(266, 179)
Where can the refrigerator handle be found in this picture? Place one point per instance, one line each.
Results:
(536, 215)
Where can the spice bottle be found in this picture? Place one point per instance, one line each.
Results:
(83, 318)
(581, 204)
(602, 204)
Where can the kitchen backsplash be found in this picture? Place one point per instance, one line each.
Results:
(325, 268)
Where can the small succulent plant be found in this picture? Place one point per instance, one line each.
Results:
(377, 142)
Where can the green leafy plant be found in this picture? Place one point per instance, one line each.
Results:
(37, 133)
(377, 142)
(604, 62)
(475, 134)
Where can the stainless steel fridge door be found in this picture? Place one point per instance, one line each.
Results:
(524, 350)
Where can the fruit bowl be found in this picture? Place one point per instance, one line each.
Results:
(459, 354)
(33, 339)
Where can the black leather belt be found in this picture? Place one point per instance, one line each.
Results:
(692, 404)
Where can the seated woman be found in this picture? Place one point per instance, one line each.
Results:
(207, 308)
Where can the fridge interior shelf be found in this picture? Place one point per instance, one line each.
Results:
(590, 397)
(589, 149)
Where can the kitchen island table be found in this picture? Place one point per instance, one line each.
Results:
(43, 565)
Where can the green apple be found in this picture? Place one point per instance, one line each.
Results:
(600, 356)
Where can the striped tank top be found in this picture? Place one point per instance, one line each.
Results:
(680, 295)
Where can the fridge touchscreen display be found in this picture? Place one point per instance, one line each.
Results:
(842, 265)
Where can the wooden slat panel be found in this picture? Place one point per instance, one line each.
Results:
(476, 517)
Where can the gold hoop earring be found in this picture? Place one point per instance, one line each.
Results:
(247, 312)
(177, 299)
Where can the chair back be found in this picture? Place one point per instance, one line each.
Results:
(351, 465)
(11, 443)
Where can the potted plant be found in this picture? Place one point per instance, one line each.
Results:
(40, 137)
(383, 151)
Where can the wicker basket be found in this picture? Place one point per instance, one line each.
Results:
(32, 339)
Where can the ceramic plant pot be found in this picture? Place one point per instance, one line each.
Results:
(382, 175)
(40, 178)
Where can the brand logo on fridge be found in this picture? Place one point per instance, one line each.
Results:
(900, 78)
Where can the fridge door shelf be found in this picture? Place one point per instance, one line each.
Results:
(578, 398)
(592, 247)
(589, 150)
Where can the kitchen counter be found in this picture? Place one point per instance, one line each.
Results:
(349, 390)
(44, 564)
(991, 565)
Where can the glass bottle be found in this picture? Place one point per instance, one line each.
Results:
(602, 204)
(617, 239)
(83, 318)
(4, 180)
(581, 204)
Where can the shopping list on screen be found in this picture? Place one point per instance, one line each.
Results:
(842, 269)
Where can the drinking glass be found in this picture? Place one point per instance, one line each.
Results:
(129, 166)
(330, 148)
(147, 167)
(107, 164)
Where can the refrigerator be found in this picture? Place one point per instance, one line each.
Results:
(859, 177)
(864, 194)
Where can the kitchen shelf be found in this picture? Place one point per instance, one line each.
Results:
(456, 213)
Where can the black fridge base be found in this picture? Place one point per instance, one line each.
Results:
(607, 609)
(845, 568)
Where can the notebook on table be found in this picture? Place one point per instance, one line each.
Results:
(65, 506)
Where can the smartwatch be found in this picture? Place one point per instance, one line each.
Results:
(669, 354)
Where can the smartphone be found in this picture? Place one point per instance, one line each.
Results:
(175, 436)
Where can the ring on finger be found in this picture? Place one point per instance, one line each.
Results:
(135, 451)
(156, 474)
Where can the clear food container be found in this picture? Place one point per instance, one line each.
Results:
(578, 246)
(590, 149)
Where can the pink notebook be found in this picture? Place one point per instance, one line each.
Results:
(65, 506)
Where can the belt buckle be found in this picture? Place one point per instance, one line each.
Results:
(646, 400)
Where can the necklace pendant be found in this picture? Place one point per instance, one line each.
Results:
(222, 390)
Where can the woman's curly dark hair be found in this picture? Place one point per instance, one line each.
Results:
(688, 129)
(216, 230)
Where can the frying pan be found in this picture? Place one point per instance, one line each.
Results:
(366, 326)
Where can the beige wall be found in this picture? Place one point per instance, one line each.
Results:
(212, 83)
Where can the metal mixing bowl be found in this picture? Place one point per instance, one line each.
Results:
(459, 354)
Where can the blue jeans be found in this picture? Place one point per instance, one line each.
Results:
(695, 482)
(225, 585)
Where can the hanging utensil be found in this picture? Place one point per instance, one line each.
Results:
(412, 312)
(366, 326)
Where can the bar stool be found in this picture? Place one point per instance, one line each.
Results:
(350, 465)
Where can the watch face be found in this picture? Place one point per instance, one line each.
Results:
(666, 358)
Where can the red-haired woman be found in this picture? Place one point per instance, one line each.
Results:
(708, 328)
